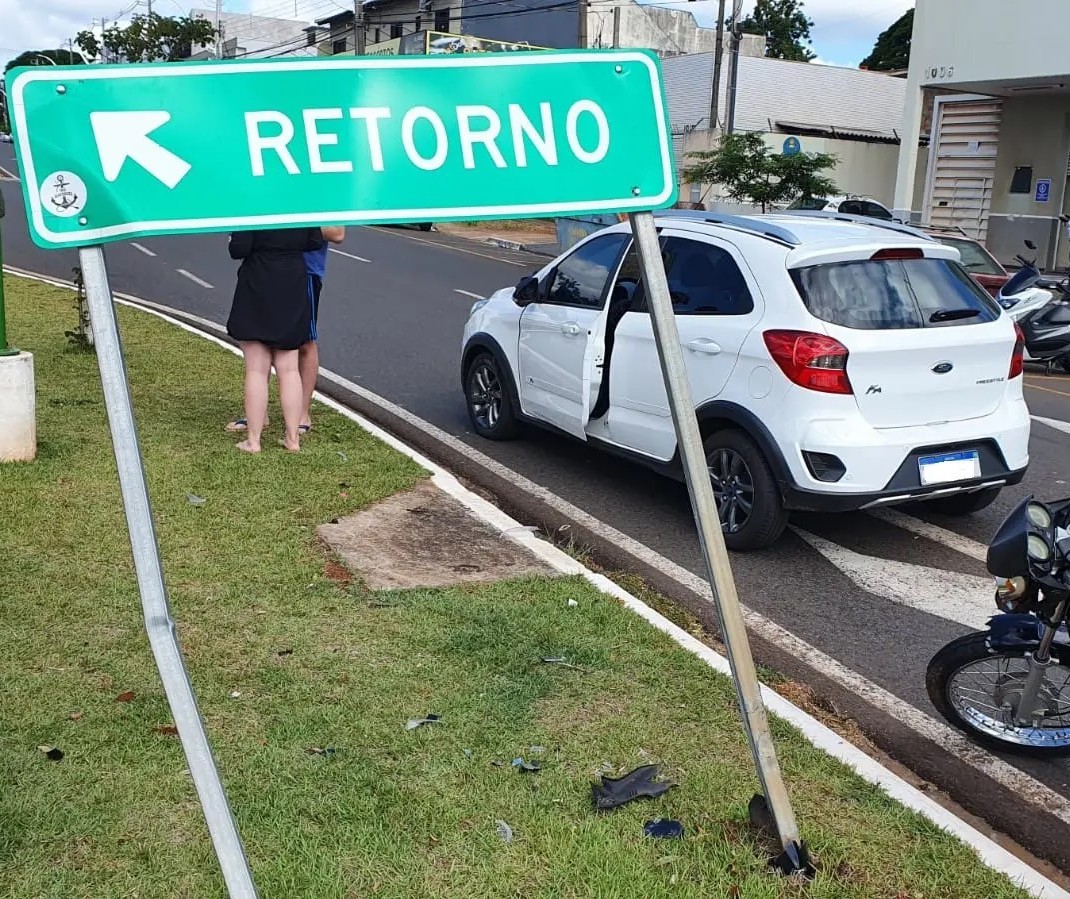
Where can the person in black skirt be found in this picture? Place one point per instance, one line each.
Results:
(271, 318)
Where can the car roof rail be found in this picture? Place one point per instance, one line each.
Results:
(864, 220)
(739, 222)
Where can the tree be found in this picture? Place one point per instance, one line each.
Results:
(751, 172)
(33, 58)
(892, 50)
(785, 26)
(151, 38)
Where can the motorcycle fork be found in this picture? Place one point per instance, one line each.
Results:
(1039, 662)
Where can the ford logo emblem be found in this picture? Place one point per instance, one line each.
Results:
(942, 368)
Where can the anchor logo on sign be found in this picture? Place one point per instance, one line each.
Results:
(62, 196)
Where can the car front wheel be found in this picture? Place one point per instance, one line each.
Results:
(748, 499)
(489, 406)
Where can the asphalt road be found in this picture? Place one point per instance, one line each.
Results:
(871, 593)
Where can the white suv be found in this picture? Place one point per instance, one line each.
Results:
(835, 364)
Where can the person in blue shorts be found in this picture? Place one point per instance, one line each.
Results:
(309, 357)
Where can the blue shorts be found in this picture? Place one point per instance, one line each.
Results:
(315, 286)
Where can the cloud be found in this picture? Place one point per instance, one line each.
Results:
(43, 25)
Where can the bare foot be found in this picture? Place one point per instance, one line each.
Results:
(246, 447)
(290, 447)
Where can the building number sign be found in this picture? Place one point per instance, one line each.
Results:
(935, 72)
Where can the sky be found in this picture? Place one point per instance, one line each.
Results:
(843, 33)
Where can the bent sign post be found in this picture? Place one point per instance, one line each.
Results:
(115, 152)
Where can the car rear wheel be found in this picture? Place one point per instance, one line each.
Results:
(424, 226)
(489, 406)
(748, 499)
(964, 503)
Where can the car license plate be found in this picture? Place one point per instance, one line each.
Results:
(949, 467)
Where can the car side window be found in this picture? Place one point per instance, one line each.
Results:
(704, 279)
(851, 207)
(627, 294)
(876, 211)
(580, 280)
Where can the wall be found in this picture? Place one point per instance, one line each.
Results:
(982, 40)
(1035, 131)
(864, 168)
(669, 32)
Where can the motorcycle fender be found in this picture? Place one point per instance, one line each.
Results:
(1014, 631)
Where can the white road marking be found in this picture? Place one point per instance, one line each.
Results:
(142, 249)
(194, 278)
(929, 728)
(6, 175)
(1053, 423)
(443, 246)
(950, 539)
(963, 598)
(349, 255)
(468, 293)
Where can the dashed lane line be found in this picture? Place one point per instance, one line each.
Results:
(349, 255)
(142, 249)
(195, 279)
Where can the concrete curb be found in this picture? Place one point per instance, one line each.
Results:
(990, 853)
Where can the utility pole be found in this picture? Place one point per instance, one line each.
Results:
(218, 31)
(733, 71)
(149, 4)
(358, 26)
(582, 30)
(718, 58)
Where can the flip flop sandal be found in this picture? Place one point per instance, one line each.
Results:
(304, 429)
(240, 424)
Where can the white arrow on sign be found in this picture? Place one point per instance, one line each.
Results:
(125, 135)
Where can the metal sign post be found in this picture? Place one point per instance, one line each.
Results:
(718, 567)
(147, 566)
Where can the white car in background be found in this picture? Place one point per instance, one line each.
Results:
(835, 364)
(845, 205)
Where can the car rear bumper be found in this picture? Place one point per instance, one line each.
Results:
(882, 467)
(799, 500)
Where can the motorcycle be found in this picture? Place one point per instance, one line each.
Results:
(1027, 291)
(1009, 686)
(1047, 332)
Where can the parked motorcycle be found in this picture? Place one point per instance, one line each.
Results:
(1047, 332)
(1009, 686)
(1027, 291)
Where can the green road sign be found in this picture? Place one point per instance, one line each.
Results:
(109, 152)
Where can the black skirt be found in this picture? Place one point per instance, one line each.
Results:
(273, 299)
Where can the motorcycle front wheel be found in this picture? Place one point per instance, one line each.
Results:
(978, 690)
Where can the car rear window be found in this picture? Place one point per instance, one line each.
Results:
(974, 259)
(814, 204)
(894, 294)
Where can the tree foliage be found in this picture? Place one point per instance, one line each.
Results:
(751, 172)
(892, 50)
(151, 38)
(33, 58)
(785, 26)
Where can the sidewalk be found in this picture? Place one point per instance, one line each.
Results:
(537, 236)
(310, 672)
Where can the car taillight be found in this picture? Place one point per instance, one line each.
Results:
(898, 253)
(813, 361)
(1018, 357)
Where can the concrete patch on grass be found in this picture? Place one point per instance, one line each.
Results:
(424, 538)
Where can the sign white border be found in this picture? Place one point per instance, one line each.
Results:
(89, 235)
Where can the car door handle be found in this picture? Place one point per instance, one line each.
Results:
(704, 345)
(570, 329)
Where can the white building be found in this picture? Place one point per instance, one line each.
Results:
(1000, 144)
(851, 113)
(243, 35)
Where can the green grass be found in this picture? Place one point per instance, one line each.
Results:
(390, 813)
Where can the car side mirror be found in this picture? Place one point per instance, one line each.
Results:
(1030, 245)
(527, 291)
